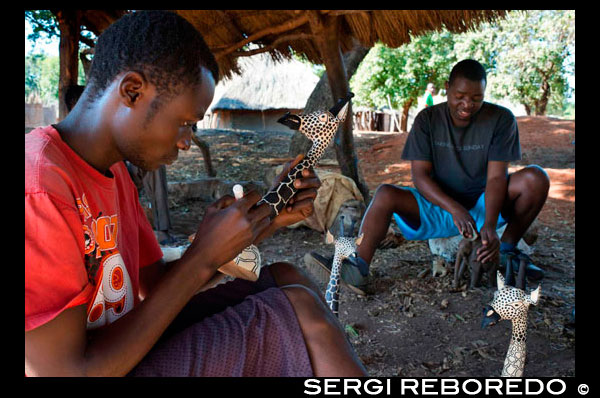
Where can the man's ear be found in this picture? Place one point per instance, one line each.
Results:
(131, 87)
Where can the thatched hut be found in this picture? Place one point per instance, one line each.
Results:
(262, 93)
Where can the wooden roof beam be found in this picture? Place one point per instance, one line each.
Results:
(271, 30)
(271, 46)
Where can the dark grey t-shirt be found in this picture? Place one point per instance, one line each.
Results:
(460, 155)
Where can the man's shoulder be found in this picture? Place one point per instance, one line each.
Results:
(47, 168)
(39, 153)
(436, 111)
(497, 110)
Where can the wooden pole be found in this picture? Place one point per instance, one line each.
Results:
(69, 24)
(325, 30)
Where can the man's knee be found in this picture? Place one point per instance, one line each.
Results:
(389, 196)
(310, 309)
(300, 295)
(284, 270)
(385, 191)
(536, 178)
(286, 273)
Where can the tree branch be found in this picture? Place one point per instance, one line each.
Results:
(271, 46)
(338, 13)
(286, 26)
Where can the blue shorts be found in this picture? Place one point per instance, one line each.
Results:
(437, 222)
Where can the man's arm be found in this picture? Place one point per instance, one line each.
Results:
(64, 347)
(421, 176)
(495, 195)
(151, 275)
(300, 206)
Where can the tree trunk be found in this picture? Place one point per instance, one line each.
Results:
(86, 62)
(69, 25)
(326, 31)
(204, 148)
(405, 108)
(542, 103)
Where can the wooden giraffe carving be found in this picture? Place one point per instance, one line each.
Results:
(319, 127)
(512, 303)
(344, 247)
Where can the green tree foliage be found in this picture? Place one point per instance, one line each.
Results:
(402, 73)
(396, 77)
(41, 77)
(42, 71)
(528, 57)
(43, 23)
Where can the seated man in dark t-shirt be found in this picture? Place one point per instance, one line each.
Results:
(459, 152)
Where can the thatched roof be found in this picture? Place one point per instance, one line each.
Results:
(265, 84)
(226, 31)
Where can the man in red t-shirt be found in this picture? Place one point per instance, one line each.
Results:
(99, 299)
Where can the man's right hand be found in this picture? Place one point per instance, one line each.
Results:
(462, 218)
(228, 227)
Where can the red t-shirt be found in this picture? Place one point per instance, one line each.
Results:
(86, 235)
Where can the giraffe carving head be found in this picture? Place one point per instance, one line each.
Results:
(509, 302)
(345, 246)
(319, 126)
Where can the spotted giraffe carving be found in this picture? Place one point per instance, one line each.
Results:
(345, 246)
(512, 303)
(319, 127)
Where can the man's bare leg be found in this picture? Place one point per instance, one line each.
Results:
(328, 348)
(288, 274)
(388, 199)
(527, 192)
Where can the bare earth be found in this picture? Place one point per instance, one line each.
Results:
(409, 325)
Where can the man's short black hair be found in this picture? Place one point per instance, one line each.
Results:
(469, 69)
(161, 45)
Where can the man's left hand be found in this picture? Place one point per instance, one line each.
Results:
(301, 205)
(490, 244)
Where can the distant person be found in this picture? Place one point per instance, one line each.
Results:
(459, 152)
(428, 97)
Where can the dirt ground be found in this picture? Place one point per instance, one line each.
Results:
(409, 325)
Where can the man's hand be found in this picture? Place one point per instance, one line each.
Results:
(463, 221)
(301, 205)
(490, 244)
(228, 227)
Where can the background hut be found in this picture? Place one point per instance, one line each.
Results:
(261, 94)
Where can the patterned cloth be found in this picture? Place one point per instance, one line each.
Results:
(239, 328)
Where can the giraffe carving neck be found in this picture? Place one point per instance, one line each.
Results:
(333, 287)
(514, 363)
(314, 153)
(512, 303)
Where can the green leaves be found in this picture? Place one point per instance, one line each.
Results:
(402, 73)
(528, 56)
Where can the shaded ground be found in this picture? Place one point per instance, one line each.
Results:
(408, 325)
